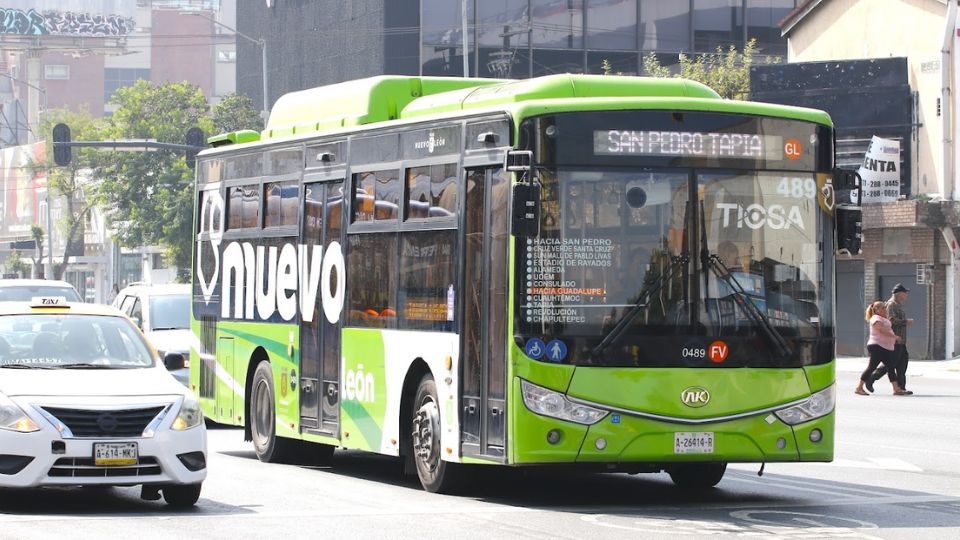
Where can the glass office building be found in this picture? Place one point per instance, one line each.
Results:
(528, 38)
(322, 42)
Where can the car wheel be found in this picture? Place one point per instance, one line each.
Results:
(697, 475)
(436, 475)
(183, 496)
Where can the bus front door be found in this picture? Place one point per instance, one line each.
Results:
(485, 243)
(320, 227)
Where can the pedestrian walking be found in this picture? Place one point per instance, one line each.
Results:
(880, 346)
(898, 318)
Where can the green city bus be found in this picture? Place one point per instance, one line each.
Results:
(610, 273)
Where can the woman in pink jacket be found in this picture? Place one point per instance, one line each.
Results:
(880, 345)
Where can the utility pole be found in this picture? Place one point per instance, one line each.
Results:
(259, 42)
(466, 57)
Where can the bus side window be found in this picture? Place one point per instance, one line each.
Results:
(432, 191)
(363, 196)
(372, 289)
(243, 207)
(280, 204)
(427, 274)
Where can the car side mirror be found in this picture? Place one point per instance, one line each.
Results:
(137, 321)
(174, 361)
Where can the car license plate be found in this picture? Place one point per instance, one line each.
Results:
(107, 454)
(693, 443)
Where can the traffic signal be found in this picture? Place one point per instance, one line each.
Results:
(194, 138)
(62, 153)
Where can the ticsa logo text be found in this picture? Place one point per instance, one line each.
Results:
(756, 216)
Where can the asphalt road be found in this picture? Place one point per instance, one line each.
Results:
(897, 475)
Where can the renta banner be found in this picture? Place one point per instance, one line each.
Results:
(880, 171)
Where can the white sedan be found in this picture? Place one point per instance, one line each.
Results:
(84, 400)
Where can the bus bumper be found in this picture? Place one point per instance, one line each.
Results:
(756, 439)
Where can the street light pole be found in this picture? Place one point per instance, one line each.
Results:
(262, 43)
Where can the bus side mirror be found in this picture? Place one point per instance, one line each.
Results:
(847, 186)
(849, 221)
(526, 210)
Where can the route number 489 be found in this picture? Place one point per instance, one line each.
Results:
(797, 188)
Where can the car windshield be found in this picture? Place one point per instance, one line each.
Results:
(68, 341)
(25, 293)
(170, 312)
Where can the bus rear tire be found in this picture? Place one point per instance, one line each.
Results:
(436, 475)
(263, 420)
(697, 475)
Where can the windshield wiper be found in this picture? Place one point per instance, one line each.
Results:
(642, 301)
(24, 366)
(83, 365)
(743, 299)
(157, 328)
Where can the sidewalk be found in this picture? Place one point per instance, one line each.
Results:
(940, 369)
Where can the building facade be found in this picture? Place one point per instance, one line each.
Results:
(887, 68)
(75, 54)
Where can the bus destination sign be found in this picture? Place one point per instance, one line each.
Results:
(692, 144)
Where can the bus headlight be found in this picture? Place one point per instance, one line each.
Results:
(13, 418)
(555, 405)
(190, 414)
(815, 406)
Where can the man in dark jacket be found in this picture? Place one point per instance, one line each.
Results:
(899, 321)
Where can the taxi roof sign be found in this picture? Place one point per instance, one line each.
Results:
(49, 301)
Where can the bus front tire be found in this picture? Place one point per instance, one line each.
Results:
(263, 419)
(263, 428)
(697, 475)
(436, 475)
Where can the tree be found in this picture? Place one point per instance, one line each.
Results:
(727, 72)
(607, 68)
(37, 233)
(70, 183)
(235, 112)
(15, 264)
(150, 194)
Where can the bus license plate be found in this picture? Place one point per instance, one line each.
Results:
(107, 454)
(693, 443)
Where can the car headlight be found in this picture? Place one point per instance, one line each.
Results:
(815, 406)
(13, 418)
(555, 405)
(190, 414)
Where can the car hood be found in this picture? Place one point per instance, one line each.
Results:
(171, 340)
(93, 382)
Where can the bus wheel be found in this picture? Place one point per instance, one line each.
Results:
(436, 475)
(263, 418)
(697, 475)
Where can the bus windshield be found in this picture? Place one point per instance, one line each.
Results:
(676, 267)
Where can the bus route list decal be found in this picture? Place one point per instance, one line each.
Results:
(552, 298)
(690, 144)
